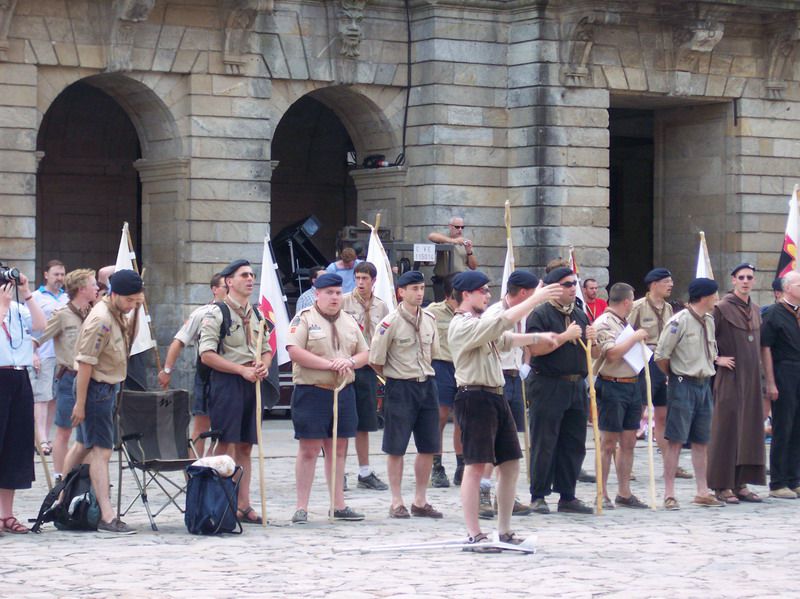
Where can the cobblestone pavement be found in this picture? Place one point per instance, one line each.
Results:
(735, 551)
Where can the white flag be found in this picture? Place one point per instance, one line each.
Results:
(384, 282)
(573, 264)
(509, 265)
(125, 256)
(703, 261)
(272, 304)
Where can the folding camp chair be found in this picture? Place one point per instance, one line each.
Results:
(153, 428)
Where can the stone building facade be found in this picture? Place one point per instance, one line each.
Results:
(621, 127)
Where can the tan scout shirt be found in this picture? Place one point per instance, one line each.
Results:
(312, 331)
(690, 352)
(609, 326)
(511, 359)
(460, 261)
(476, 343)
(189, 333)
(356, 307)
(235, 347)
(103, 343)
(645, 316)
(402, 350)
(444, 316)
(63, 327)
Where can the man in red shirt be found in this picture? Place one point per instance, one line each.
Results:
(595, 306)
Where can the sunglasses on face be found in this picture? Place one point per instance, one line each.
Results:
(457, 226)
(745, 277)
(569, 284)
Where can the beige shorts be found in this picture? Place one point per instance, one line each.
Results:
(42, 382)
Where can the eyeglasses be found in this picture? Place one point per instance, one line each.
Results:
(457, 226)
(745, 277)
(569, 284)
(484, 290)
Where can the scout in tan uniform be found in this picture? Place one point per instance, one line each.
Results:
(651, 313)
(488, 431)
(402, 350)
(326, 346)
(686, 352)
(446, 385)
(234, 374)
(101, 361)
(368, 310)
(618, 403)
(63, 328)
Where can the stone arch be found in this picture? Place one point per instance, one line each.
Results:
(149, 108)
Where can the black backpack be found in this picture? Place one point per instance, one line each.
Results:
(211, 501)
(77, 509)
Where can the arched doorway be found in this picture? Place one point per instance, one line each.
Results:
(86, 183)
(311, 146)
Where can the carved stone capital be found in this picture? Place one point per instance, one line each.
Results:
(350, 15)
(578, 32)
(125, 15)
(697, 28)
(6, 14)
(783, 41)
(239, 18)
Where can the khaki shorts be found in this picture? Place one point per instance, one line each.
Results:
(42, 383)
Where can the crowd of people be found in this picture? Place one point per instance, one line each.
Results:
(494, 366)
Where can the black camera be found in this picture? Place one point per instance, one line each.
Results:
(9, 274)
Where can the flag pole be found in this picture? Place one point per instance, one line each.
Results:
(598, 463)
(144, 301)
(259, 344)
(650, 429)
(334, 452)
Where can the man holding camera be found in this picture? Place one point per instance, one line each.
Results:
(19, 317)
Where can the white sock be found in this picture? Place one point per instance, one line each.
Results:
(364, 471)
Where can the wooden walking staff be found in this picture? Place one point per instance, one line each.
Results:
(650, 454)
(43, 459)
(334, 441)
(598, 463)
(259, 344)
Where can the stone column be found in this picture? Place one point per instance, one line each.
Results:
(18, 128)
(382, 190)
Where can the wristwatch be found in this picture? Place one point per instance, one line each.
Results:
(167, 370)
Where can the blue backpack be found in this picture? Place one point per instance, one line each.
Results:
(211, 501)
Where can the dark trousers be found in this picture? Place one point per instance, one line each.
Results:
(558, 434)
(784, 453)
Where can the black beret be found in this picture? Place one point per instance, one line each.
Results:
(656, 275)
(523, 279)
(329, 279)
(702, 287)
(470, 280)
(742, 266)
(411, 277)
(233, 267)
(777, 284)
(126, 282)
(555, 275)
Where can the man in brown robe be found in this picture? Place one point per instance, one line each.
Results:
(736, 451)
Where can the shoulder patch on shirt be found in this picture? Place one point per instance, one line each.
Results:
(295, 321)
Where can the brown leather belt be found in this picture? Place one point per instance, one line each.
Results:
(63, 370)
(697, 380)
(572, 378)
(510, 372)
(326, 387)
(13, 368)
(620, 379)
(467, 388)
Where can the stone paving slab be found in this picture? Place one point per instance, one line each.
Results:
(736, 551)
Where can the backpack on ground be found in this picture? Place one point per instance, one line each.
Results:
(77, 508)
(211, 501)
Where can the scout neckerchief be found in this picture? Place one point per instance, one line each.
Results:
(120, 319)
(623, 321)
(566, 311)
(82, 314)
(366, 304)
(702, 322)
(332, 320)
(244, 313)
(414, 321)
(658, 312)
(746, 310)
(492, 343)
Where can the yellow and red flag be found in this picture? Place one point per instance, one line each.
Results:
(788, 260)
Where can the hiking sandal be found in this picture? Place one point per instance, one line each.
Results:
(14, 526)
(480, 543)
